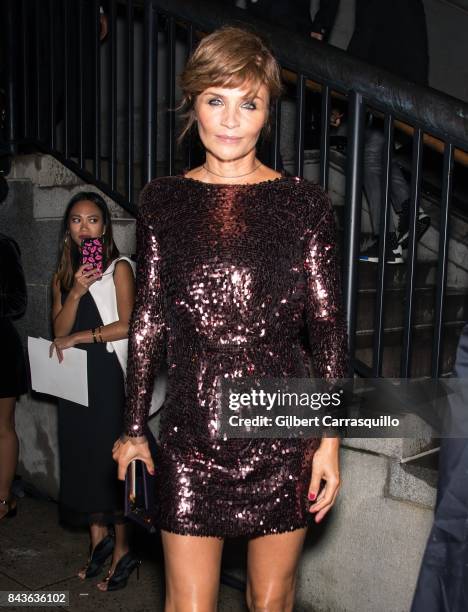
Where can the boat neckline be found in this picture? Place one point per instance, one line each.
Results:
(266, 182)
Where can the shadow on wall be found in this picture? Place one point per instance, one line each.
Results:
(36, 417)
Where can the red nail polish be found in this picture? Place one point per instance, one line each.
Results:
(311, 496)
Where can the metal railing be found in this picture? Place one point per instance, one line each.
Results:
(107, 111)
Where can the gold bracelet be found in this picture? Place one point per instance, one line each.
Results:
(100, 336)
(93, 331)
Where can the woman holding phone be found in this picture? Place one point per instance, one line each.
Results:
(92, 304)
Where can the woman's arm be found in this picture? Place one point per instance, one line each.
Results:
(125, 293)
(118, 330)
(146, 341)
(328, 341)
(63, 316)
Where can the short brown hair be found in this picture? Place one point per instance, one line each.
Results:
(228, 57)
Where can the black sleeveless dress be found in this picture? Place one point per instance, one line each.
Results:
(89, 489)
(13, 300)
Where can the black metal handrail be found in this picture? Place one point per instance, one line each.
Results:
(437, 113)
(56, 92)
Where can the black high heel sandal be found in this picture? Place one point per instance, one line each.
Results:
(122, 572)
(12, 511)
(98, 556)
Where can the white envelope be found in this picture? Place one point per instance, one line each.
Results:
(68, 380)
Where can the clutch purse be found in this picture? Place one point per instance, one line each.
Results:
(139, 495)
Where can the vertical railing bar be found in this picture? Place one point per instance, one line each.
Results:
(97, 91)
(80, 86)
(353, 203)
(130, 101)
(66, 75)
(300, 111)
(325, 137)
(189, 137)
(170, 95)
(12, 75)
(150, 93)
(379, 318)
(405, 368)
(38, 71)
(112, 94)
(52, 74)
(276, 129)
(442, 270)
(26, 71)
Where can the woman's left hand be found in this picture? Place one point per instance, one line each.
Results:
(60, 344)
(325, 466)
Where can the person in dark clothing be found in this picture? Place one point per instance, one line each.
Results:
(324, 19)
(13, 381)
(392, 36)
(443, 578)
(295, 15)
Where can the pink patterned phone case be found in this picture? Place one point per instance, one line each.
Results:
(91, 253)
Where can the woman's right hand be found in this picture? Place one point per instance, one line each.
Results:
(124, 452)
(84, 279)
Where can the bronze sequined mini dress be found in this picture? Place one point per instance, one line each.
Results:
(228, 278)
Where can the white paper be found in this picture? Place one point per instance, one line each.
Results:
(68, 380)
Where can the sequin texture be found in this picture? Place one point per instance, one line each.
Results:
(229, 278)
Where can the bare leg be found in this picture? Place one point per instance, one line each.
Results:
(120, 549)
(8, 449)
(271, 571)
(192, 565)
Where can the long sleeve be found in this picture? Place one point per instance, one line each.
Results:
(147, 328)
(324, 310)
(13, 296)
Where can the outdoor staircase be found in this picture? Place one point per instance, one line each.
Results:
(456, 299)
(456, 307)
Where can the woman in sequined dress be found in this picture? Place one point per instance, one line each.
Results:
(234, 260)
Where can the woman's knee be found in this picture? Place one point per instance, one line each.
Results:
(277, 600)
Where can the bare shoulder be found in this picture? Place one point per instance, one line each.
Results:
(123, 269)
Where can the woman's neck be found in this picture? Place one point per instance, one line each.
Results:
(244, 170)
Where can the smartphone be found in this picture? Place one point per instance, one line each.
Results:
(139, 495)
(92, 253)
